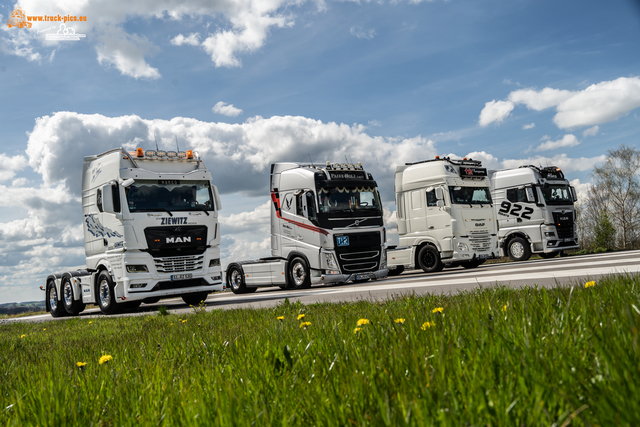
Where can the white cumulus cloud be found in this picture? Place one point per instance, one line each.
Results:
(226, 109)
(592, 131)
(192, 40)
(495, 111)
(599, 103)
(568, 140)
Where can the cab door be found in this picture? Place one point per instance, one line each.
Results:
(416, 215)
(438, 216)
(308, 235)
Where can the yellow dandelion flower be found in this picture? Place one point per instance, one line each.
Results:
(362, 322)
(504, 307)
(171, 324)
(105, 358)
(91, 322)
(305, 324)
(22, 336)
(438, 310)
(589, 284)
(280, 317)
(44, 329)
(427, 325)
(356, 330)
(184, 321)
(81, 364)
(300, 316)
(400, 320)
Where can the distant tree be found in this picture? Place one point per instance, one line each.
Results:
(616, 191)
(604, 233)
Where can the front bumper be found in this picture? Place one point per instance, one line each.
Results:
(342, 278)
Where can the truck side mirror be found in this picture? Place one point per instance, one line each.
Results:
(574, 196)
(439, 194)
(440, 203)
(216, 197)
(531, 198)
(110, 198)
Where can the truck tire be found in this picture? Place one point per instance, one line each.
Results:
(105, 294)
(195, 299)
(429, 259)
(299, 274)
(71, 306)
(53, 301)
(518, 249)
(236, 281)
(396, 271)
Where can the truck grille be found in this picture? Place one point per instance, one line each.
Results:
(178, 264)
(361, 254)
(480, 243)
(564, 224)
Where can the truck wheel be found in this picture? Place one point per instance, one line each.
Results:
(106, 294)
(429, 259)
(548, 255)
(396, 271)
(472, 264)
(519, 249)
(73, 307)
(236, 280)
(55, 305)
(195, 299)
(299, 274)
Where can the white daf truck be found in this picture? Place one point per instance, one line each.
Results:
(326, 227)
(445, 216)
(151, 231)
(535, 211)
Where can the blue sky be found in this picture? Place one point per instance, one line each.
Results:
(384, 82)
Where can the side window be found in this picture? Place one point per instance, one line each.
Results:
(431, 198)
(416, 200)
(517, 195)
(99, 199)
(299, 207)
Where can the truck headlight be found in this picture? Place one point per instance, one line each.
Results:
(383, 260)
(462, 246)
(330, 260)
(549, 234)
(137, 268)
(214, 262)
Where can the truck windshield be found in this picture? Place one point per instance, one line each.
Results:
(172, 195)
(557, 195)
(470, 195)
(346, 199)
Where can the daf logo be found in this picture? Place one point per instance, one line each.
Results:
(178, 239)
(479, 224)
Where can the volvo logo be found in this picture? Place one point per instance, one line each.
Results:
(178, 239)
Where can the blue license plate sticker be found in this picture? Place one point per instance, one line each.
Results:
(343, 240)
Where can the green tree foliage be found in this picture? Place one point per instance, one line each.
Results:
(604, 233)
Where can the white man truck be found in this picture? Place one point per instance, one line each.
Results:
(326, 227)
(535, 211)
(445, 216)
(151, 231)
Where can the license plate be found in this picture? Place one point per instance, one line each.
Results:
(362, 276)
(181, 276)
(343, 240)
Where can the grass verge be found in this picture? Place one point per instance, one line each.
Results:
(495, 356)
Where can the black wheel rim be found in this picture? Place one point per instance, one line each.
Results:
(429, 259)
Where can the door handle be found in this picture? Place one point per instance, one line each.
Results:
(431, 228)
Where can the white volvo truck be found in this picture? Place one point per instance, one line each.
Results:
(445, 216)
(326, 227)
(535, 211)
(150, 221)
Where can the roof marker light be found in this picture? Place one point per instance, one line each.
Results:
(162, 154)
(189, 154)
(150, 153)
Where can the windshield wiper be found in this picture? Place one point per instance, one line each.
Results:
(166, 210)
(200, 208)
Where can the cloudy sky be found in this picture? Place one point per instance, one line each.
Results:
(250, 82)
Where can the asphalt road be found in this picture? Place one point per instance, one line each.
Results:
(549, 273)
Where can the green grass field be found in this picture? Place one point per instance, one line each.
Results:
(502, 357)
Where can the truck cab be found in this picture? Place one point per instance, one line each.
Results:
(535, 211)
(326, 227)
(445, 216)
(151, 231)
